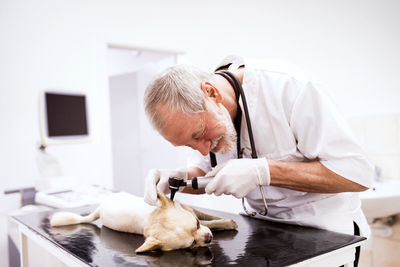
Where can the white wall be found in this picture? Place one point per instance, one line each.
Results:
(379, 135)
(351, 46)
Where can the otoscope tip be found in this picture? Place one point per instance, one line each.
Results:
(172, 194)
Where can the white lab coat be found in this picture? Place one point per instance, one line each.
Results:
(293, 121)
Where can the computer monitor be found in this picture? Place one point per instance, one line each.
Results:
(63, 118)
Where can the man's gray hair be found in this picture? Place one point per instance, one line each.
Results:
(178, 88)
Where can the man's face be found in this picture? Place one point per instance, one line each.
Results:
(207, 131)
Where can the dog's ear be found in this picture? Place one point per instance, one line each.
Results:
(165, 201)
(150, 244)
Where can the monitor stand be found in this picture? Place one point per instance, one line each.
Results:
(59, 191)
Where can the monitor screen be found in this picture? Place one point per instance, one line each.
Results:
(63, 117)
(66, 114)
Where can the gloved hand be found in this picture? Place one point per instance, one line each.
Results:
(238, 177)
(157, 180)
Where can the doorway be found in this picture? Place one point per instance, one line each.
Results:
(136, 147)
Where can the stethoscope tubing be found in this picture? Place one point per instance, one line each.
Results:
(240, 94)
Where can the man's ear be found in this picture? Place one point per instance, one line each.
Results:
(211, 91)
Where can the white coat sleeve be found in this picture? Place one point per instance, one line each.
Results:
(196, 159)
(323, 134)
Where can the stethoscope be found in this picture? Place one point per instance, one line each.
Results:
(237, 87)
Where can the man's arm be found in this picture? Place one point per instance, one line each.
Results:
(322, 135)
(310, 177)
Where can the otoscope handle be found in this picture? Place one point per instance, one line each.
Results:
(200, 182)
(175, 183)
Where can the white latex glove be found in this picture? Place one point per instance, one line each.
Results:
(238, 177)
(157, 180)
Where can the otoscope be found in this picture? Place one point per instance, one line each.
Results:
(196, 183)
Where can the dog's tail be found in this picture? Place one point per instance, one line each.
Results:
(69, 218)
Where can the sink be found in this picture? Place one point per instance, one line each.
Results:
(382, 200)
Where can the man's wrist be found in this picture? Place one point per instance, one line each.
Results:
(274, 170)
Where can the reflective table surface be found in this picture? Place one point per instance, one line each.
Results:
(255, 243)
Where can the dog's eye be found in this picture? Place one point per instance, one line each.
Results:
(198, 224)
(193, 244)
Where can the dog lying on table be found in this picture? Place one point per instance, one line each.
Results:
(169, 227)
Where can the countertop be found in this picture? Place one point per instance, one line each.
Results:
(255, 243)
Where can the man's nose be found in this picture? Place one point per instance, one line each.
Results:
(203, 147)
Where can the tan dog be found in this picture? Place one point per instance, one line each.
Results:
(171, 226)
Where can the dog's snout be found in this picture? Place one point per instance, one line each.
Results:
(208, 238)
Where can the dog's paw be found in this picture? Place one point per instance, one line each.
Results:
(231, 224)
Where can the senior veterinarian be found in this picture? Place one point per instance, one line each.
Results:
(299, 149)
